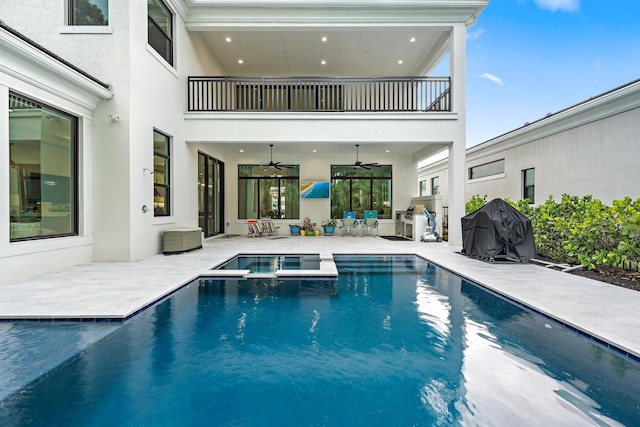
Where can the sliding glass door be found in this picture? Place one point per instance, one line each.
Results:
(210, 195)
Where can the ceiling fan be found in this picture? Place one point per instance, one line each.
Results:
(273, 164)
(359, 164)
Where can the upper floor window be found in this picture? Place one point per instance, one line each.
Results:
(268, 192)
(529, 184)
(43, 170)
(88, 12)
(423, 188)
(161, 174)
(435, 185)
(360, 189)
(487, 169)
(161, 29)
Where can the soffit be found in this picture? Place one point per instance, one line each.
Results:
(364, 38)
(288, 152)
(368, 52)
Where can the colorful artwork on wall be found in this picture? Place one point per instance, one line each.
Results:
(314, 189)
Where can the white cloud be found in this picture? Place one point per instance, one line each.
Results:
(561, 5)
(493, 78)
(473, 35)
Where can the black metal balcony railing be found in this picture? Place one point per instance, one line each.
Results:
(319, 94)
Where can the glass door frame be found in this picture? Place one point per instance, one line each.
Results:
(211, 216)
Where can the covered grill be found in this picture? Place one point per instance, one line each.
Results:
(498, 230)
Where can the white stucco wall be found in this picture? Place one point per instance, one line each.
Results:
(595, 153)
(599, 158)
(27, 71)
(158, 102)
(115, 153)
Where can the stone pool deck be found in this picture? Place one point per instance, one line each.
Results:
(119, 290)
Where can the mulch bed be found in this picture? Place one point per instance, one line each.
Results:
(615, 276)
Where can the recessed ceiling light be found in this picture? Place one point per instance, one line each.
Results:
(242, 151)
(324, 39)
(400, 62)
(412, 39)
(387, 151)
(323, 62)
(228, 39)
(315, 151)
(240, 61)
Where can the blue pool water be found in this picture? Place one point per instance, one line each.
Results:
(271, 263)
(394, 341)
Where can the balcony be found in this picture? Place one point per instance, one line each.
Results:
(319, 94)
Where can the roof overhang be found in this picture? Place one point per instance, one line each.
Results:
(617, 101)
(25, 62)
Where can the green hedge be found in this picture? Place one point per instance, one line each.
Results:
(583, 230)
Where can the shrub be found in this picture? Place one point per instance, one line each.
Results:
(586, 231)
(475, 203)
(582, 230)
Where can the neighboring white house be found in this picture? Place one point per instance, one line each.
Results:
(120, 119)
(591, 148)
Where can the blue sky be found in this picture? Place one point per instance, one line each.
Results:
(527, 58)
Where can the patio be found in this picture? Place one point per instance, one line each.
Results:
(118, 290)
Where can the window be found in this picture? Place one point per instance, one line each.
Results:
(487, 169)
(359, 189)
(529, 184)
(423, 188)
(43, 170)
(435, 185)
(88, 12)
(268, 192)
(161, 29)
(161, 174)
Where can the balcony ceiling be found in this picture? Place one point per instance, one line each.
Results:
(285, 152)
(363, 38)
(370, 52)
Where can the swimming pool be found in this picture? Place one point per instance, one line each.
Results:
(271, 263)
(394, 341)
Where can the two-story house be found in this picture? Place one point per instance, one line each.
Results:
(122, 119)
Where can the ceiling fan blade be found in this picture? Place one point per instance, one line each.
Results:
(359, 164)
(273, 164)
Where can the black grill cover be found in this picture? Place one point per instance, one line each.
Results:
(498, 230)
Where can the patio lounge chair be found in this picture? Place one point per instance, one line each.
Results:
(254, 228)
(267, 227)
(370, 222)
(349, 223)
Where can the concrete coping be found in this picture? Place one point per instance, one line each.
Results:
(327, 269)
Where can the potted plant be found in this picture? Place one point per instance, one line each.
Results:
(329, 226)
(308, 227)
(294, 229)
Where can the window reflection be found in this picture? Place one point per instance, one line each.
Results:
(89, 12)
(360, 189)
(42, 170)
(161, 174)
(268, 192)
